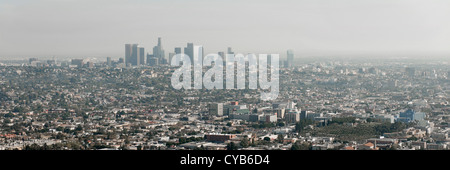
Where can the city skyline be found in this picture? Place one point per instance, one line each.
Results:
(310, 28)
(225, 83)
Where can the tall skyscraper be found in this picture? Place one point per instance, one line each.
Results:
(177, 50)
(128, 51)
(149, 58)
(221, 54)
(170, 57)
(135, 55)
(141, 56)
(108, 61)
(224, 58)
(132, 54)
(158, 52)
(229, 51)
(290, 58)
(189, 50)
(153, 61)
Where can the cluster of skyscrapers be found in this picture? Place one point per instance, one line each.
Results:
(135, 55)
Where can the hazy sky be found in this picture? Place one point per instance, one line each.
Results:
(309, 27)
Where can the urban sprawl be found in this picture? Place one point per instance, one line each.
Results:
(128, 104)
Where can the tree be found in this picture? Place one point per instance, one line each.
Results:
(79, 128)
(393, 147)
(229, 124)
(302, 146)
(280, 138)
(18, 109)
(231, 146)
(60, 128)
(302, 124)
(8, 115)
(295, 147)
(245, 142)
(45, 147)
(343, 120)
(413, 138)
(66, 130)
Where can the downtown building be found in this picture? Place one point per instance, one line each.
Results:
(158, 57)
(134, 55)
(158, 53)
(290, 59)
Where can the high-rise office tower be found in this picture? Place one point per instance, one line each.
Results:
(108, 61)
(158, 52)
(135, 55)
(128, 51)
(132, 54)
(221, 54)
(149, 57)
(215, 109)
(141, 56)
(224, 58)
(189, 50)
(153, 61)
(290, 58)
(229, 51)
(170, 57)
(177, 50)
